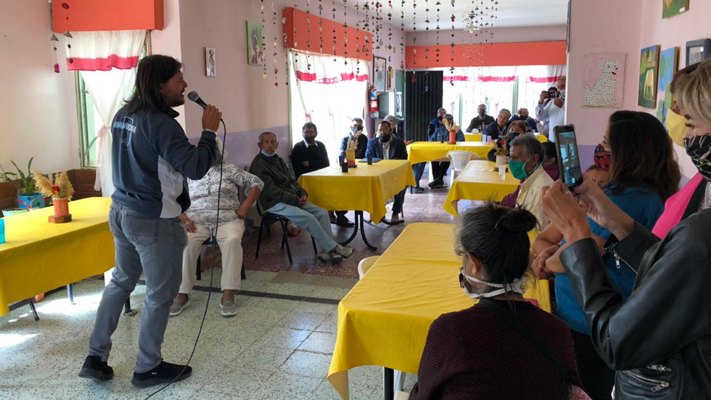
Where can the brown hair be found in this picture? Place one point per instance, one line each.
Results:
(641, 154)
(152, 71)
(521, 124)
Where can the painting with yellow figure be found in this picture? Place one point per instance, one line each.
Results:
(648, 70)
(671, 8)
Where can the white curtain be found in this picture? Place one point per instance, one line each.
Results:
(107, 62)
(328, 93)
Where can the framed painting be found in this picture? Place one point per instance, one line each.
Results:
(255, 52)
(604, 80)
(697, 51)
(668, 65)
(671, 8)
(648, 70)
(380, 71)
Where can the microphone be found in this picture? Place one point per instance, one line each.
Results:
(193, 96)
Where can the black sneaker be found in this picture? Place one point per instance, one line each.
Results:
(419, 190)
(165, 372)
(96, 370)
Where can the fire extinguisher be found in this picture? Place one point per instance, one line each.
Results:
(373, 100)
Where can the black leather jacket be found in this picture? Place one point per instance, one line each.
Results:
(659, 340)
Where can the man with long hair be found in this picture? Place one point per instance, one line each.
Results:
(151, 158)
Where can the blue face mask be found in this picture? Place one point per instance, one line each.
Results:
(268, 155)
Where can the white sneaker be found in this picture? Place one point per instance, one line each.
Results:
(344, 251)
(228, 309)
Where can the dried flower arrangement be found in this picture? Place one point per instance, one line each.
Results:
(56, 185)
(500, 147)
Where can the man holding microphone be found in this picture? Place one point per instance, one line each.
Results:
(151, 159)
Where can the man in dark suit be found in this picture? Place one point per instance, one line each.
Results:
(387, 147)
(310, 155)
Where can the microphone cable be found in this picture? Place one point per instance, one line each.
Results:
(212, 268)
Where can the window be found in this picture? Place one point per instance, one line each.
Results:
(89, 125)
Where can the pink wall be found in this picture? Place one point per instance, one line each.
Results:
(37, 106)
(501, 35)
(635, 24)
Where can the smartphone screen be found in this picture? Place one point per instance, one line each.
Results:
(568, 157)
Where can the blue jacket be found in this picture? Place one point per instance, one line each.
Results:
(433, 126)
(442, 131)
(530, 121)
(398, 150)
(151, 157)
(493, 132)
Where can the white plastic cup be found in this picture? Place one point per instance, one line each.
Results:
(502, 172)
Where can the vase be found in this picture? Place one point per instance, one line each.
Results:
(61, 207)
(30, 201)
(501, 160)
(350, 157)
(452, 137)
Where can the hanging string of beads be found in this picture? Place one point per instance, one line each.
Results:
(263, 47)
(402, 34)
(275, 42)
(53, 40)
(451, 55)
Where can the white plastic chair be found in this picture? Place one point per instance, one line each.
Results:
(460, 159)
(402, 396)
(365, 264)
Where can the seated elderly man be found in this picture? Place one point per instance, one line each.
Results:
(526, 164)
(500, 127)
(525, 117)
(439, 169)
(283, 196)
(200, 220)
(387, 147)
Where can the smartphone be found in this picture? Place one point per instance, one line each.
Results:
(568, 156)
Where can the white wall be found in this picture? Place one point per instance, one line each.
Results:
(37, 106)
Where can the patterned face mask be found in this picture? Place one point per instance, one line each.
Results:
(601, 158)
(699, 149)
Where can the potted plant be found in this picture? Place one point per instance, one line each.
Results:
(27, 198)
(60, 189)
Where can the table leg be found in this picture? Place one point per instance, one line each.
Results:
(70, 293)
(34, 310)
(388, 383)
(362, 234)
(358, 214)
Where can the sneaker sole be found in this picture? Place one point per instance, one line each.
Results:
(333, 261)
(94, 375)
(229, 313)
(180, 310)
(144, 383)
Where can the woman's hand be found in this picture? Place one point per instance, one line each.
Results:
(602, 210)
(242, 211)
(565, 213)
(190, 226)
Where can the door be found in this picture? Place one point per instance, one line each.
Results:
(423, 97)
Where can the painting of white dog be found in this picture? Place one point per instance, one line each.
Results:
(604, 75)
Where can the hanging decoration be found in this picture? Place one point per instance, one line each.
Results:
(437, 51)
(390, 32)
(345, 32)
(451, 55)
(308, 25)
(54, 41)
(335, 37)
(402, 35)
(357, 8)
(69, 37)
(264, 41)
(427, 29)
(275, 42)
(284, 37)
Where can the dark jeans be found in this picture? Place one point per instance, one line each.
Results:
(418, 169)
(597, 378)
(398, 201)
(341, 214)
(439, 169)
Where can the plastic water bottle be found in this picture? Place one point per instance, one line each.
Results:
(2, 230)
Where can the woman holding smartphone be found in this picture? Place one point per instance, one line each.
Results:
(642, 175)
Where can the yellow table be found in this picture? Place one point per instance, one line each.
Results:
(365, 188)
(385, 318)
(542, 138)
(479, 181)
(472, 137)
(40, 256)
(431, 151)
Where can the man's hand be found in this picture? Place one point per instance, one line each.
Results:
(211, 118)
(302, 200)
(305, 163)
(539, 263)
(558, 102)
(544, 96)
(242, 211)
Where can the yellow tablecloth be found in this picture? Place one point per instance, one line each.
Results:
(479, 181)
(429, 151)
(472, 137)
(40, 256)
(365, 188)
(542, 138)
(385, 318)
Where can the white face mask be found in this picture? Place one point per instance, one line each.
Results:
(517, 286)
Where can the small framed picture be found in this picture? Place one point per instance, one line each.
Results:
(210, 62)
(697, 51)
(380, 70)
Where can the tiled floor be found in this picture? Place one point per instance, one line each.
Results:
(274, 348)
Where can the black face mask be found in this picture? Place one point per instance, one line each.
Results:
(523, 116)
(439, 118)
(385, 138)
(482, 113)
(309, 139)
